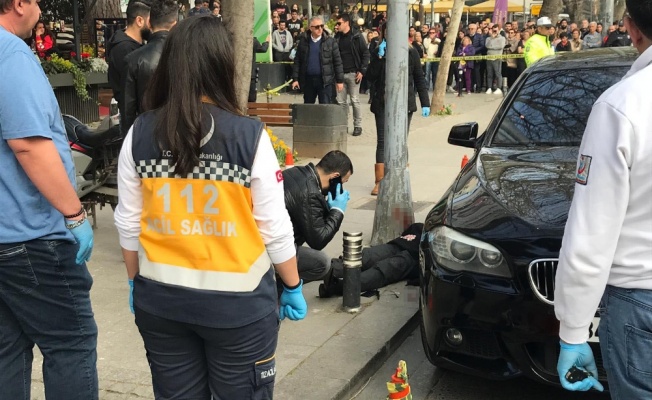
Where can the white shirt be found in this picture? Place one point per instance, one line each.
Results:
(267, 194)
(608, 236)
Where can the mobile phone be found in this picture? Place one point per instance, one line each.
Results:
(332, 186)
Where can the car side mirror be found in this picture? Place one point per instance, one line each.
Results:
(464, 135)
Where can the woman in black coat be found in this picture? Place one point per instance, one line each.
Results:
(376, 76)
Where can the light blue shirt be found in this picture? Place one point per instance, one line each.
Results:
(28, 108)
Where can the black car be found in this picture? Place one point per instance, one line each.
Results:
(489, 252)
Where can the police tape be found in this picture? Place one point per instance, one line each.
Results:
(438, 59)
(276, 89)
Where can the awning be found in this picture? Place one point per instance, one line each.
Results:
(488, 6)
(440, 7)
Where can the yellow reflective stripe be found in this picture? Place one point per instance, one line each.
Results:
(266, 360)
(206, 280)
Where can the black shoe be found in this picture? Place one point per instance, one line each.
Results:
(357, 131)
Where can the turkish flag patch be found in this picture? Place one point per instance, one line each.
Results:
(279, 176)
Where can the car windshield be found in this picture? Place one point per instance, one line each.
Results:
(552, 107)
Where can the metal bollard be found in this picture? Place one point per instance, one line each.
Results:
(352, 269)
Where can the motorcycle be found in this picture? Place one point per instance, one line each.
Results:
(95, 155)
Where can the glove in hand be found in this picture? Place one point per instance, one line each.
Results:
(292, 303)
(340, 201)
(131, 295)
(581, 356)
(382, 48)
(425, 111)
(84, 236)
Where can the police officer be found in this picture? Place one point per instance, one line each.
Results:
(201, 220)
(619, 37)
(45, 238)
(607, 247)
(539, 46)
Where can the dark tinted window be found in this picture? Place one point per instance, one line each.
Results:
(552, 108)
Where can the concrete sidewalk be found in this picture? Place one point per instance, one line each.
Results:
(330, 354)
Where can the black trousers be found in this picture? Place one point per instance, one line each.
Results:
(382, 265)
(479, 70)
(196, 362)
(313, 88)
(380, 135)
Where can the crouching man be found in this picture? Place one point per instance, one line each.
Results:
(316, 216)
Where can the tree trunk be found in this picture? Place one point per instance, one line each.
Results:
(551, 9)
(239, 20)
(102, 9)
(444, 65)
(422, 15)
(619, 10)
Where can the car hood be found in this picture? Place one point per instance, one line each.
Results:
(524, 186)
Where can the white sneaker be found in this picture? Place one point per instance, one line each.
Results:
(498, 91)
(488, 91)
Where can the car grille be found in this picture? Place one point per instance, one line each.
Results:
(541, 274)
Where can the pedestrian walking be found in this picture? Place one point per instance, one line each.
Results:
(317, 68)
(355, 60)
(45, 236)
(605, 262)
(416, 83)
(203, 182)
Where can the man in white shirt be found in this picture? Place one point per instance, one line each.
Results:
(607, 247)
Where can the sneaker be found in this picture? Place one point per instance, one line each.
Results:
(357, 131)
(450, 89)
(488, 91)
(498, 91)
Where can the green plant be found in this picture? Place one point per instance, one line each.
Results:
(446, 109)
(57, 65)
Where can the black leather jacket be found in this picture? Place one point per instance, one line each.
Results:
(314, 223)
(141, 64)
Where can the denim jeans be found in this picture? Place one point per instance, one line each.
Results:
(313, 265)
(351, 89)
(431, 74)
(313, 88)
(626, 342)
(194, 362)
(45, 300)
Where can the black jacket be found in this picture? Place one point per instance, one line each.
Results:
(376, 75)
(618, 39)
(331, 62)
(118, 47)
(314, 223)
(360, 51)
(140, 68)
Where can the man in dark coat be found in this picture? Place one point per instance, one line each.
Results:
(317, 65)
(316, 218)
(382, 265)
(122, 43)
(142, 63)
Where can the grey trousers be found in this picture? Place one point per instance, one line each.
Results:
(494, 71)
(352, 89)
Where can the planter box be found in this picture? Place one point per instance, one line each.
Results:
(69, 102)
(92, 78)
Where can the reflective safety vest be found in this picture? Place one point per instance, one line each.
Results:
(537, 47)
(198, 233)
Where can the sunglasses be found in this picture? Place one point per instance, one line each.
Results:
(431, 33)
(318, 26)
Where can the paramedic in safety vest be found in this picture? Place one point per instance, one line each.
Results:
(605, 263)
(539, 46)
(201, 221)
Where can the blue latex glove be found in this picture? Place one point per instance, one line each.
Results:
(84, 236)
(425, 111)
(581, 356)
(292, 303)
(131, 295)
(340, 201)
(382, 47)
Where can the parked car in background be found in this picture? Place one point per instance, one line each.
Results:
(490, 246)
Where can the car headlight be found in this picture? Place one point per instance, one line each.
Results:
(459, 252)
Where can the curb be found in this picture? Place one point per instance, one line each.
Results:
(360, 378)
